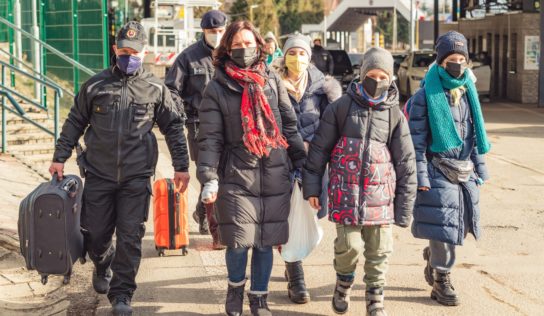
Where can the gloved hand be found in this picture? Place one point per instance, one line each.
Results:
(209, 192)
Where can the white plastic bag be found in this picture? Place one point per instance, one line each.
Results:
(304, 230)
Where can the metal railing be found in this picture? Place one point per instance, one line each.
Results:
(8, 93)
(36, 73)
(48, 47)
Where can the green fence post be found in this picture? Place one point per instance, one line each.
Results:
(105, 35)
(75, 44)
(43, 54)
(11, 39)
(4, 132)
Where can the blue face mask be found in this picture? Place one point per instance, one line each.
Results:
(129, 64)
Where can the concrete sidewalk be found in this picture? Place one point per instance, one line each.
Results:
(502, 274)
(499, 275)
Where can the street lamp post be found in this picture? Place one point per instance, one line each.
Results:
(541, 61)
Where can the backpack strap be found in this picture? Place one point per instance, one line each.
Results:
(394, 119)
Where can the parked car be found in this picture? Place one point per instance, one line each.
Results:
(356, 60)
(481, 67)
(343, 71)
(398, 58)
(412, 70)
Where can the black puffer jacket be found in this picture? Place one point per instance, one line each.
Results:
(254, 194)
(371, 183)
(120, 112)
(188, 77)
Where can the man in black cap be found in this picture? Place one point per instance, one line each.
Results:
(187, 78)
(117, 109)
(322, 58)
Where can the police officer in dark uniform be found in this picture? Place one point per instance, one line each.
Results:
(322, 58)
(187, 78)
(117, 109)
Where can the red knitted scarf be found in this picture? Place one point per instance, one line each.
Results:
(261, 132)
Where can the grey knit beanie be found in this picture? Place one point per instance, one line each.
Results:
(377, 58)
(300, 41)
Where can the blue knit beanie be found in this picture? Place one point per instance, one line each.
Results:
(451, 43)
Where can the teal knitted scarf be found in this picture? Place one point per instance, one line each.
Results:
(444, 134)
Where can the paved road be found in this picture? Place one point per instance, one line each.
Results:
(502, 274)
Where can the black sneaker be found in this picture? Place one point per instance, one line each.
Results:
(101, 280)
(121, 306)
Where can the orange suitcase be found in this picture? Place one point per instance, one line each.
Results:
(170, 217)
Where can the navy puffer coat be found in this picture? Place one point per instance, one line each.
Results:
(448, 211)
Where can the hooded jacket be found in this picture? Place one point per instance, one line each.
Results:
(372, 171)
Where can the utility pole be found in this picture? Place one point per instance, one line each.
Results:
(541, 62)
(395, 25)
(412, 27)
(454, 9)
(436, 20)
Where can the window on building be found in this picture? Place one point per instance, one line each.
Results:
(513, 58)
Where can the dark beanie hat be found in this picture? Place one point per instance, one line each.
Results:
(451, 43)
(213, 19)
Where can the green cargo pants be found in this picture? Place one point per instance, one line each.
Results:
(378, 246)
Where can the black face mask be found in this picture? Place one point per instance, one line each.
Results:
(374, 88)
(244, 57)
(456, 70)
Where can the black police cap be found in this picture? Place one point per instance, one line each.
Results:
(213, 19)
(132, 35)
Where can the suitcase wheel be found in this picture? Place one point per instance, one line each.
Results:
(66, 279)
(44, 279)
(160, 252)
(184, 251)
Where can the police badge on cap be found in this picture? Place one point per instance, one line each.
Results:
(132, 35)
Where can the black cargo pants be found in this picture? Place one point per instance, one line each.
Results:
(122, 208)
(192, 138)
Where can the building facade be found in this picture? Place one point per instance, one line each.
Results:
(511, 43)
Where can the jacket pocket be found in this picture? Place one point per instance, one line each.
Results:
(141, 116)
(151, 146)
(103, 116)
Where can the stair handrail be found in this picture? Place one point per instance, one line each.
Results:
(51, 85)
(19, 112)
(45, 77)
(49, 47)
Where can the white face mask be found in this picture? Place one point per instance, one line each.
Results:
(213, 39)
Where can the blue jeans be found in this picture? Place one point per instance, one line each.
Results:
(261, 267)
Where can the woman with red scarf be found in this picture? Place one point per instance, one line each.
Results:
(248, 144)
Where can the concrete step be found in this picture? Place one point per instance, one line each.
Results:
(29, 138)
(26, 128)
(41, 118)
(32, 149)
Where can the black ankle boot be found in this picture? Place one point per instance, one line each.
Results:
(101, 280)
(296, 287)
(258, 304)
(443, 291)
(235, 300)
(340, 298)
(428, 271)
(121, 306)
